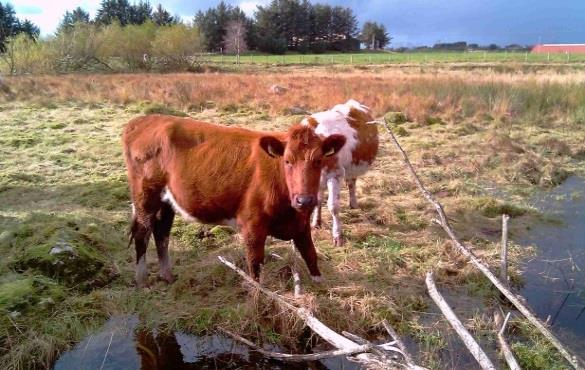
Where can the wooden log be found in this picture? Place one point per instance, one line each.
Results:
(467, 339)
(506, 350)
(504, 253)
(515, 300)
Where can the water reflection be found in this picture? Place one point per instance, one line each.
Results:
(119, 345)
(555, 278)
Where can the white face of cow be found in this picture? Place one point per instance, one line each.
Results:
(302, 158)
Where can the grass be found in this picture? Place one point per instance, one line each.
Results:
(62, 185)
(366, 58)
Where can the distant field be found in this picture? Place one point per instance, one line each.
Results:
(390, 57)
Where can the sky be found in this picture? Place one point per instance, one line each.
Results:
(409, 22)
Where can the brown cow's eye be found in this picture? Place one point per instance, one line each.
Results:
(287, 163)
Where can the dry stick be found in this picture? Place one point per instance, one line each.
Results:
(504, 254)
(296, 277)
(298, 358)
(508, 355)
(317, 326)
(467, 339)
(333, 338)
(399, 343)
(573, 360)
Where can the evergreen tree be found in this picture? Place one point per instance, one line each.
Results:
(162, 17)
(78, 15)
(11, 26)
(213, 23)
(374, 35)
(114, 10)
(140, 13)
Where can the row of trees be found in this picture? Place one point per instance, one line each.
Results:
(88, 46)
(289, 25)
(120, 12)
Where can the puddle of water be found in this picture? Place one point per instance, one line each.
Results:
(555, 278)
(120, 346)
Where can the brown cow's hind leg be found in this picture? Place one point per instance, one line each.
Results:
(162, 230)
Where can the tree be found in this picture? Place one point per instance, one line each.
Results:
(113, 10)
(12, 26)
(213, 24)
(162, 17)
(374, 35)
(78, 15)
(140, 13)
(176, 44)
(235, 38)
(131, 43)
(30, 29)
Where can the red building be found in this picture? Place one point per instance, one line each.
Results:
(559, 48)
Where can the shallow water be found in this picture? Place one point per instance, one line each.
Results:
(120, 346)
(555, 278)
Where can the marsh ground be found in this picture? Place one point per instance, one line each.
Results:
(482, 142)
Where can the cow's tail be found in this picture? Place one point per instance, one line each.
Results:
(133, 228)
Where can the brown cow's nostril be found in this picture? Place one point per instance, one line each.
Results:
(305, 200)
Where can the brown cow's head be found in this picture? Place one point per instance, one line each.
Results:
(302, 155)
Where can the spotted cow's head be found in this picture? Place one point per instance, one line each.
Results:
(302, 154)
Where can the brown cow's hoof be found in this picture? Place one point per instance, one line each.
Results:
(317, 279)
(338, 241)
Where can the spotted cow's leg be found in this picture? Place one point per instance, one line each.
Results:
(351, 184)
(304, 244)
(333, 205)
(162, 230)
(316, 220)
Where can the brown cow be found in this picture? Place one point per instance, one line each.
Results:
(264, 183)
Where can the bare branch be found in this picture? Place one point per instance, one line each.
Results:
(504, 254)
(407, 356)
(298, 357)
(467, 339)
(507, 351)
(296, 277)
(515, 300)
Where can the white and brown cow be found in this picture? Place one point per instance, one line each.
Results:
(353, 160)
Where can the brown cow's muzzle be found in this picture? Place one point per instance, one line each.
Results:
(304, 202)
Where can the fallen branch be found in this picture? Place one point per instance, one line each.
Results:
(467, 339)
(444, 222)
(367, 357)
(296, 357)
(506, 350)
(295, 275)
(504, 253)
(407, 356)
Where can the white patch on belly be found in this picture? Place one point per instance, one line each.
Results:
(231, 222)
(168, 197)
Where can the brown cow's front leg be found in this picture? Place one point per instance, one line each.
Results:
(304, 244)
(254, 237)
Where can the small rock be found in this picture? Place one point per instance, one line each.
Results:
(277, 89)
(293, 111)
(61, 247)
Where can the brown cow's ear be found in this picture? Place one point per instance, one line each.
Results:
(272, 146)
(333, 144)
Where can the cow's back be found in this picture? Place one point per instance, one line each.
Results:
(205, 170)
